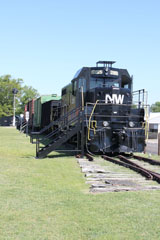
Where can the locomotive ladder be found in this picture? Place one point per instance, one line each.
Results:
(69, 125)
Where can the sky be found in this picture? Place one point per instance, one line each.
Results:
(46, 42)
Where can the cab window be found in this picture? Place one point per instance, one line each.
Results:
(125, 82)
(102, 83)
(82, 83)
(74, 85)
(126, 86)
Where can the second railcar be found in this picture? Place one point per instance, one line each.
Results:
(46, 110)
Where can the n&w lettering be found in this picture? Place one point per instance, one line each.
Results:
(115, 99)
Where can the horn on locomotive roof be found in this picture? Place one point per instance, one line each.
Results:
(105, 63)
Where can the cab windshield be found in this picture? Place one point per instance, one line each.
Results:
(102, 83)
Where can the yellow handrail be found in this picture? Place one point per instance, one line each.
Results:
(82, 98)
(89, 124)
(146, 123)
(95, 125)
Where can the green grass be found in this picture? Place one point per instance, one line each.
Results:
(48, 199)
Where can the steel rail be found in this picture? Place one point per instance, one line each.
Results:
(138, 169)
(149, 160)
(89, 157)
(155, 176)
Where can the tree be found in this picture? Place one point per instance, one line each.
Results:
(28, 93)
(6, 96)
(155, 107)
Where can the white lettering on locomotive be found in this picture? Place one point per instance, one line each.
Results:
(115, 99)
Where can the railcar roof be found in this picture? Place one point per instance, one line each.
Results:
(47, 98)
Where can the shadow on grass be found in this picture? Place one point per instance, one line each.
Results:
(51, 156)
(61, 155)
(28, 156)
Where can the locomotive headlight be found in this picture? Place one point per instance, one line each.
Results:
(131, 124)
(105, 124)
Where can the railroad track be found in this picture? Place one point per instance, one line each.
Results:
(124, 161)
(104, 179)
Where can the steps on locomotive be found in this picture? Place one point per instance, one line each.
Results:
(58, 141)
(46, 141)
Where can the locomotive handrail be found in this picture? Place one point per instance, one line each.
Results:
(59, 130)
(53, 123)
(141, 97)
(64, 126)
(23, 126)
(90, 119)
(103, 103)
(120, 116)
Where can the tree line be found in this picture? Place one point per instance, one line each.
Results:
(25, 93)
(155, 107)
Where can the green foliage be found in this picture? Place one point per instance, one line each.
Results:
(155, 107)
(134, 106)
(28, 93)
(6, 96)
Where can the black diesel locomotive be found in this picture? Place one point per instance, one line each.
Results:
(113, 123)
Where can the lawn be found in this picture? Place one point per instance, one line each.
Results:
(48, 199)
